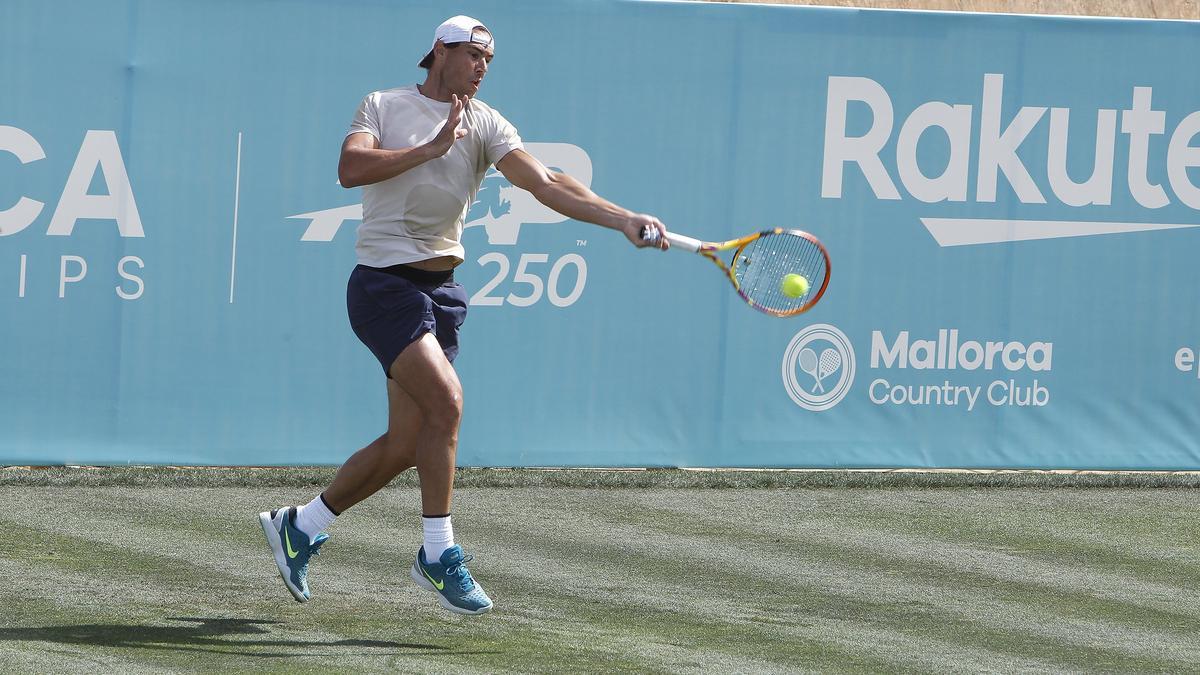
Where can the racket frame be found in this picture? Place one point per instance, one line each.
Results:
(709, 249)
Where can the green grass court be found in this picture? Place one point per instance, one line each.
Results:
(161, 570)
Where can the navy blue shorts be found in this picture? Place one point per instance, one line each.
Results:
(391, 308)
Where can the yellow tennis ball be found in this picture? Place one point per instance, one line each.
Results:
(794, 285)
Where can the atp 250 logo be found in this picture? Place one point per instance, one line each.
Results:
(501, 209)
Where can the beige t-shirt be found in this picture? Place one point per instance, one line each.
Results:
(419, 214)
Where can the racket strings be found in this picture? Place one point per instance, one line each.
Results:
(760, 267)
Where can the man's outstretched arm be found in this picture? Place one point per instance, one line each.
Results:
(574, 200)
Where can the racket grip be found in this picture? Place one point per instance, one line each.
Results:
(652, 236)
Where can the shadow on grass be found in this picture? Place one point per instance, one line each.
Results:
(203, 635)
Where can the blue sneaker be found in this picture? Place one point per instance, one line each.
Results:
(449, 578)
(291, 549)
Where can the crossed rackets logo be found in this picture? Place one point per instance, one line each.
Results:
(819, 351)
(821, 368)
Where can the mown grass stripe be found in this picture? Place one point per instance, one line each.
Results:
(1076, 611)
(815, 632)
(1160, 562)
(1080, 580)
(562, 538)
(890, 532)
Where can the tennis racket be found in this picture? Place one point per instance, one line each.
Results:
(764, 265)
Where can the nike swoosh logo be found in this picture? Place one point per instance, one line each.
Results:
(292, 553)
(436, 584)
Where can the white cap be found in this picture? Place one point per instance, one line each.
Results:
(459, 29)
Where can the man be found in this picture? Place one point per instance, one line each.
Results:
(420, 153)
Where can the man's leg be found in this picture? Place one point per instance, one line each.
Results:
(294, 534)
(426, 376)
(373, 467)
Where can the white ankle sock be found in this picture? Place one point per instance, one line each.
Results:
(439, 536)
(314, 517)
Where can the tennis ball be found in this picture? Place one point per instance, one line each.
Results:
(794, 285)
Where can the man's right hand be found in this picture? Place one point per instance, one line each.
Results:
(450, 132)
(638, 223)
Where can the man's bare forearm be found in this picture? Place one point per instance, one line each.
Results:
(573, 199)
(365, 166)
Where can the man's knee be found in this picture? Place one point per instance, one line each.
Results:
(444, 409)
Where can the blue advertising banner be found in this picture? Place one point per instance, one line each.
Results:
(1011, 204)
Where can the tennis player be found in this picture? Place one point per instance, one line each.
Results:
(420, 153)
